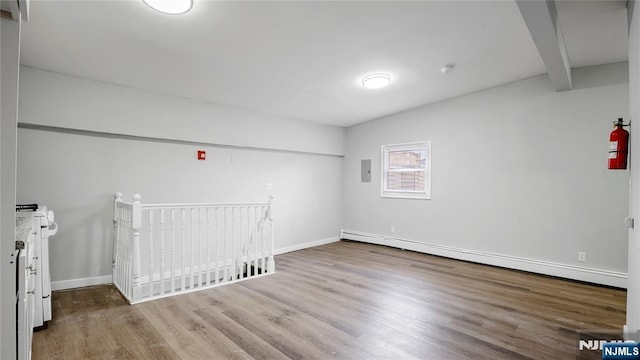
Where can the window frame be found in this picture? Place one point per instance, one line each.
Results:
(384, 170)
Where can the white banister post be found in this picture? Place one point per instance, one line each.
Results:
(116, 238)
(136, 224)
(272, 263)
(117, 197)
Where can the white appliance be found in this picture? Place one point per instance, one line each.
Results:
(25, 286)
(44, 227)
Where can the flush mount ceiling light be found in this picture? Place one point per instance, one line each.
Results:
(172, 7)
(445, 69)
(376, 81)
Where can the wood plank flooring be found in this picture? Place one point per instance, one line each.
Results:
(344, 300)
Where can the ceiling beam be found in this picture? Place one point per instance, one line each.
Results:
(541, 18)
(10, 6)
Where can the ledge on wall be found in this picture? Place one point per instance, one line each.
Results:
(596, 276)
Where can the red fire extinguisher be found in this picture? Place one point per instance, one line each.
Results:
(618, 146)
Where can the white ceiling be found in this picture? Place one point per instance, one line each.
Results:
(595, 32)
(305, 59)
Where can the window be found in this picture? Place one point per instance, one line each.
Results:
(406, 170)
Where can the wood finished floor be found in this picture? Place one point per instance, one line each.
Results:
(344, 300)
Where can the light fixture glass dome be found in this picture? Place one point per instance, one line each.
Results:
(172, 7)
(376, 81)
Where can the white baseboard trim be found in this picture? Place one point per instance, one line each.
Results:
(76, 283)
(309, 244)
(596, 276)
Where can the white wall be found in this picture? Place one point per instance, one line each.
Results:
(76, 175)
(518, 170)
(633, 293)
(9, 72)
(77, 103)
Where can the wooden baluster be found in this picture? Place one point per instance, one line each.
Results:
(183, 267)
(161, 251)
(246, 253)
(232, 244)
(259, 238)
(151, 292)
(126, 256)
(127, 243)
(265, 226)
(216, 241)
(257, 231)
(123, 232)
(241, 242)
(136, 225)
(252, 233)
(200, 247)
(209, 245)
(247, 250)
(225, 256)
(256, 236)
(237, 241)
(252, 230)
(129, 268)
(263, 253)
(122, 250)
(131, 260)
(272, 264)
(130, 264)
(249, 241)
(193, 250)
(234, 269)
(173, 250)
(125, 246)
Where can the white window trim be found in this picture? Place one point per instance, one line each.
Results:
(405, 194)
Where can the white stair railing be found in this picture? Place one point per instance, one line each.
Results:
(167, 249)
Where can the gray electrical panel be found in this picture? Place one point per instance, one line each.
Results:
(365, 171)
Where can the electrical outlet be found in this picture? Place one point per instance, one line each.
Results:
(269, 186)
(393, 229)
(582, 256)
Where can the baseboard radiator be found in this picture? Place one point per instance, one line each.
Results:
(162, 250)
